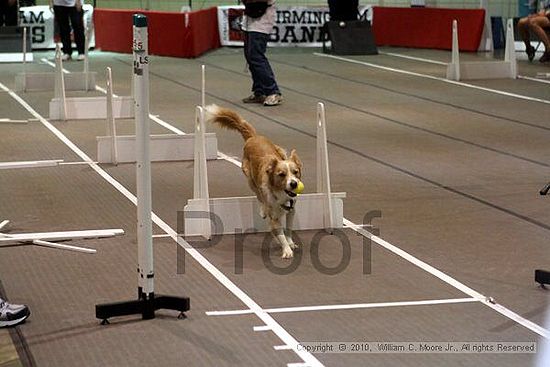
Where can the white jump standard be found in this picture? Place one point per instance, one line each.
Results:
(457, 70)
(147, 303)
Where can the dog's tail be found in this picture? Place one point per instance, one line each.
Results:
(230, 120)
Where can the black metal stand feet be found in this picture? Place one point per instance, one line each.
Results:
(146, 306)
(542, 277)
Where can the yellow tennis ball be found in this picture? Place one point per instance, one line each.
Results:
(299, 188)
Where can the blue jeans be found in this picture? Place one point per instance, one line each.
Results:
(263, 79)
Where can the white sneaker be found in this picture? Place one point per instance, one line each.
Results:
(81, 57)
(65, 57)
(273, 100)
(11, 314)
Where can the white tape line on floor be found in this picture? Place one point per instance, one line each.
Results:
(352, 306)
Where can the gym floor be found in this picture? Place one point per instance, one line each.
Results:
(453, 168)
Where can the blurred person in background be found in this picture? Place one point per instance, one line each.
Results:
(8, 12)
(66, 11)
(257, 24)
(537, 23)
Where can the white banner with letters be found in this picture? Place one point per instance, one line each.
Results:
(294, 25)
(40, 21)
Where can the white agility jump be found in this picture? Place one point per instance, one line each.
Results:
(82, 108)
(205, 216)
(76, 108)
(457, 70)
(163, 147)
(46, 81)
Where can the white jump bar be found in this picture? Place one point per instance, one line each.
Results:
(15, 57)
(59, 246)
(92, 108)
(165, 147)
(30, 164)
(59, 236)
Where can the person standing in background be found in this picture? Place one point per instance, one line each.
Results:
(8, 13)
(538, 24)
(343, 10)
(65, 11)
(257, 27)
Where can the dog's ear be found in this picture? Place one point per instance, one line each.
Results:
(294, 158)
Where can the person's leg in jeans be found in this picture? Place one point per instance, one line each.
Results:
(258, 95)
(77, 22)
(260, 67)
(62, 18)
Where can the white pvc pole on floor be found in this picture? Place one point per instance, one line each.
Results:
(143, 162)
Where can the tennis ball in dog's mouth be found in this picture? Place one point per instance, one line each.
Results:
(299, 188)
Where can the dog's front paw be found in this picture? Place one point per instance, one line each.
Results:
(287, 253)
(292, 244)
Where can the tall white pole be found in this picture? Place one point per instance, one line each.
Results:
(143, 162)
(147, 302)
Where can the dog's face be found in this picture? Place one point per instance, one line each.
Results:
(284, 175)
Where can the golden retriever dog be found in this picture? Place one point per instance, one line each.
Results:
(273, 175)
